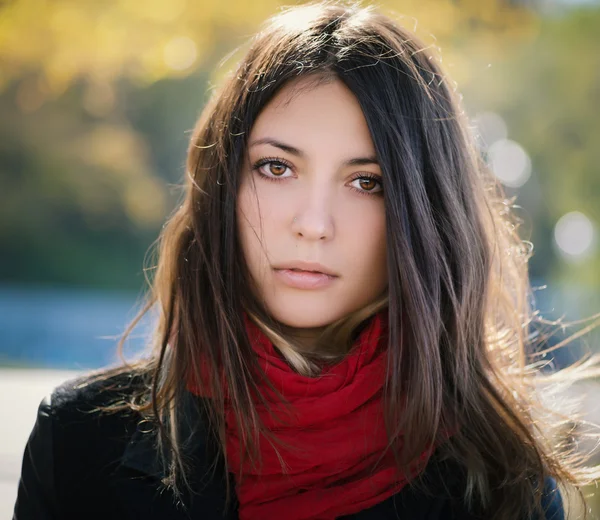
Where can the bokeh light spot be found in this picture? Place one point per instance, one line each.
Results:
(491, 127)
(574, 235)
(180, 53)
(510, 163)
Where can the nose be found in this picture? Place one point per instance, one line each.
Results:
(315, 221)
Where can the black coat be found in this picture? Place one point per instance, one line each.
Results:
(82, 465)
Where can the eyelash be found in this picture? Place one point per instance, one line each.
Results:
(278, 160)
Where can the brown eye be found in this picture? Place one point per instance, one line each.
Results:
(272, 169)
(277, 169)
(368, 184)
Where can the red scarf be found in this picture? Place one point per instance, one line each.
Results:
(336, 434)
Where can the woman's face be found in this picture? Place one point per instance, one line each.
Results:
(312, 192)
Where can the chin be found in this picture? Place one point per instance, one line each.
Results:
(305, 318)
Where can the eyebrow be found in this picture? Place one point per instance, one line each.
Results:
(355, 161)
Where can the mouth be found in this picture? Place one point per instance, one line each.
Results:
(304, 279)
(299, 266)
(296, 270)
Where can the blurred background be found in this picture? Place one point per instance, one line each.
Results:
(97, 100)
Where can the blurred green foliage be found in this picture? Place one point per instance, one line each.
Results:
(97, 100)
(104, 41)
(549, 91)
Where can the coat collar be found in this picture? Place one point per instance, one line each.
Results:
(208, 475)
(142, 454)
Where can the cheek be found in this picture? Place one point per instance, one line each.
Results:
(248, 221)
(367, 229)
(257, 202)
(253, 227)
(246, 208)
(367, 234)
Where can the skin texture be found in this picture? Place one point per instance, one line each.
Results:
(318, 208)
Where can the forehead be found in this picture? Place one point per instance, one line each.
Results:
(311, 112)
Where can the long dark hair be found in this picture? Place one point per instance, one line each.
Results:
(459, 300)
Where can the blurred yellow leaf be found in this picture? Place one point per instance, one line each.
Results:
(155, 39)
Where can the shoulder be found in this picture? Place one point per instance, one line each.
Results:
(74, 449)
(442, 496)
(93, 391)
(77, 418)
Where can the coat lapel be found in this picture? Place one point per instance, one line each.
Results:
(207, 477)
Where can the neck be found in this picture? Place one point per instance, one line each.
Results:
(306, 338)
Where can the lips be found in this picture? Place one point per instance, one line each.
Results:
(302, 279)
(306, 267)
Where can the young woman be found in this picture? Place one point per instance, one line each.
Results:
(342, 312)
